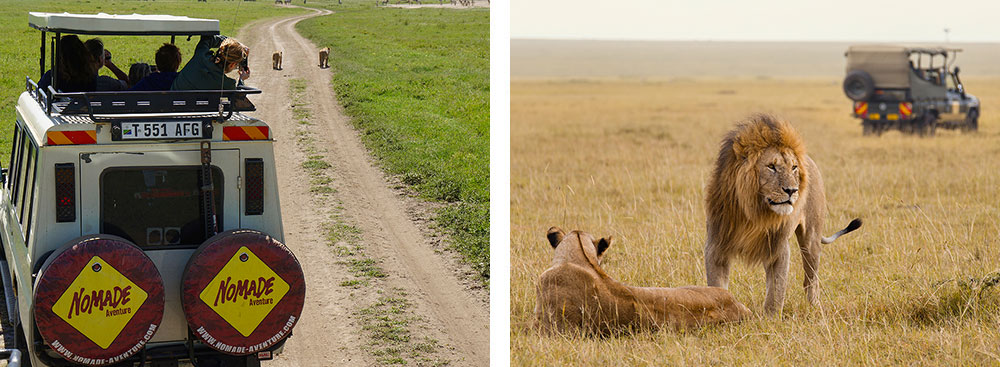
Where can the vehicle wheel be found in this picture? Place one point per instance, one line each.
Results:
(859, 85)
(98, 298)
(242, 291)
(907, 127)
(971, 121)
(867, 127)
(921, 126)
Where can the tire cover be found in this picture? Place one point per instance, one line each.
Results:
(98, 300)
(242, 292)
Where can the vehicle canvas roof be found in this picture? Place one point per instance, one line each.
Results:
(888, 65)
(114, 24)
(901, 49)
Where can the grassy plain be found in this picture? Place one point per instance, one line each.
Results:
(416, 83)
(19, 49)
(916, 285)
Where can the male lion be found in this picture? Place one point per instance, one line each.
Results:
(763, 188)
(324, 57)
(276, 60)
(575, 294)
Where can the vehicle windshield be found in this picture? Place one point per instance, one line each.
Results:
(156, 206)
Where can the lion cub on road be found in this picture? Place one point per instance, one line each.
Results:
(576, 294)
(324, 57)
(276, 60)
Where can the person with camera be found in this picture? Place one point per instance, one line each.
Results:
(102, 58)
(207, 69)
(80, 64)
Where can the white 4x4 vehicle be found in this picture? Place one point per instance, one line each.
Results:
(143, 227)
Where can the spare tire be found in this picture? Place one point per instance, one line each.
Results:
(97, 300)
(242, 292)
(859, 85)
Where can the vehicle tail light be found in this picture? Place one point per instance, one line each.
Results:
(230, 133)
(65, 192)
(905, 109)
(861, 109)
(254, 186)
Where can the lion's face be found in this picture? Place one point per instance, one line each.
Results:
(779, 175)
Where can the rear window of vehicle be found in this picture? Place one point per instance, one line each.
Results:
(157, 206)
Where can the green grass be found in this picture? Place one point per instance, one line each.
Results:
(387, 321)
(19, 49)
(416, 83)
(315, 163)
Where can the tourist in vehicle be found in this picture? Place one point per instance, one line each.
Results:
(102, 58)
(76, 67)
(137, 72)
(207, 69)
(168, 59)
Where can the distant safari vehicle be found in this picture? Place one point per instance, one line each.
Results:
(908, 88)
(143, 227)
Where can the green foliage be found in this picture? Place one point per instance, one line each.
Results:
(416, 83)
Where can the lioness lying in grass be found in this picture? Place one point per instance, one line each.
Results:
(575, 294)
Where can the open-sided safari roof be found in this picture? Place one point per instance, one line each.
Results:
(113, 24)
(889, 65)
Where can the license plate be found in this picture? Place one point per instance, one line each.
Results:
(160, 130)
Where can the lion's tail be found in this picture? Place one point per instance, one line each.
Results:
(855, 224)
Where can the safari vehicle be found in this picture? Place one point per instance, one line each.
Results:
(908, 88)
(143, 227)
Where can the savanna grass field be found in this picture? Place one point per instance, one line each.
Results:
(630, 158)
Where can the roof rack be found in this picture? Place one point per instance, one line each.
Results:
(131, 105)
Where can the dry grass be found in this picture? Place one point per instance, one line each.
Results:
(914, 286)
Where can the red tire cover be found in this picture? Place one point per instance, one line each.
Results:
(242, 292)
(98, 300)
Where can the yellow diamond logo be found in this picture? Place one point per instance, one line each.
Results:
(99, 302)
(244, 291)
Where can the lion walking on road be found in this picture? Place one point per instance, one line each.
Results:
(324, 57)
(763, 189)
(276, 60)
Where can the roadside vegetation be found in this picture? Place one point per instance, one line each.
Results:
(19, 49)
(388, 321)
(416, 84)
(917, 285)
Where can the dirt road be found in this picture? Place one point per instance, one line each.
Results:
(444, 309)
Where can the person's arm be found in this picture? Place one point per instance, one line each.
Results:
(106, 62)
(118, 72)
(208, 42)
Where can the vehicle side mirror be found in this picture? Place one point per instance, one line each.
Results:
(956, 70)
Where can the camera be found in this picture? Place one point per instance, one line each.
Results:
(245, 65)
(107, 55)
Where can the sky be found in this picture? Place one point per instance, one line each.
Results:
(755, 20)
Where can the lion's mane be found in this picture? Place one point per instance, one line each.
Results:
(736, 213)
